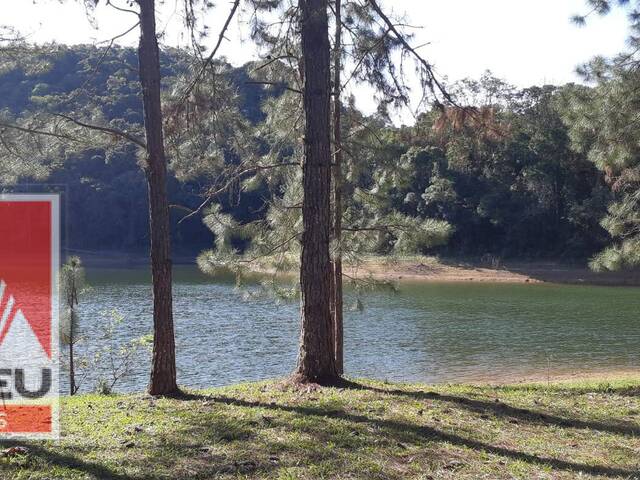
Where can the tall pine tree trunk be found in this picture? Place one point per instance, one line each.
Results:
(163, 368)
(337, 195)
(316, 361)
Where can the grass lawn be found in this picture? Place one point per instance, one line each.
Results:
(367, 430)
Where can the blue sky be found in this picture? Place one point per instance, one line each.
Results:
(525, 42)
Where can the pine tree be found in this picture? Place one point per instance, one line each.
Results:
(337, 310)
(163, 369)
(316, 360)
(59, 132)
(72, 280)
(602, 120)
(369, 227)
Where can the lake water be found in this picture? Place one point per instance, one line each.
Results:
(425, 332)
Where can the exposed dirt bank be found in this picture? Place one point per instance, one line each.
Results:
(433, 270)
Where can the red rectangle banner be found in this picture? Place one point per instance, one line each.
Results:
(29, 264)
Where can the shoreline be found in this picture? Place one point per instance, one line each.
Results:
(423, 269)
(557, 378)
(454, 271)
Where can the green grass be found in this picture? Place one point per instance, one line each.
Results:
(365, 430)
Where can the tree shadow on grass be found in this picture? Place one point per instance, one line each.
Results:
(184, 450)
(53, 458)
(629, 392)
(504, 410)
(190, 440)
(399, 430)
(178, 454)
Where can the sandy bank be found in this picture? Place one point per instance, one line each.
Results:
(432, 270)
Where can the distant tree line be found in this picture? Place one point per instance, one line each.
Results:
(516, 189)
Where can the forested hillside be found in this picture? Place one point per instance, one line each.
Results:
(512, 187)
(106, 198)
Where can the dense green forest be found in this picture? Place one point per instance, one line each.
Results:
(515, 188)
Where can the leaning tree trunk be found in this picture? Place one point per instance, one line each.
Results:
(338, 318)
(316, 361)
(163, 368)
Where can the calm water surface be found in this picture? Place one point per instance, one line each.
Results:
(425, 332)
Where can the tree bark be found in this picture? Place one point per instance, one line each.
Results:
(72, 300)
(338, 318)
(332, 308)
(316, 362)
(163, 368)
(72, 373)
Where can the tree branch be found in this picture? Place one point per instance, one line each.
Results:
(354, 72)
(211, 56)
(273, 249)
(99, 128)
(272, 60)
(379, 228)
(122, 9)
(233, 178)
(431, 78)
(35, 131)
(274, 84)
